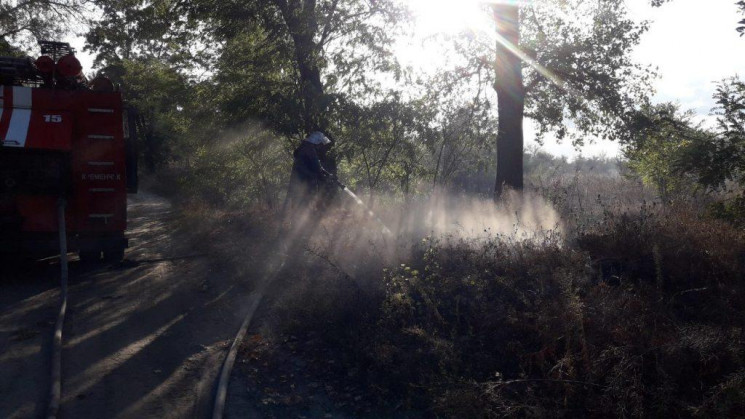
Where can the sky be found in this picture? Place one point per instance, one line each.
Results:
(693, 43)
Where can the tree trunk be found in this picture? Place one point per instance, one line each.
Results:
(510, 101)
(300, 18)
(312, 87)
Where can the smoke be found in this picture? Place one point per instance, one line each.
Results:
(357, 235)
(359, 239)
(518, 216)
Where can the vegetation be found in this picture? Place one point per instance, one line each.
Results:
(619, 324)
(635, 310)
(658, 152)
(22, 23)
(631, 305)
(296, 66)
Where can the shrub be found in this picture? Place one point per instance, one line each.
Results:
(640, 317)
(639, 313)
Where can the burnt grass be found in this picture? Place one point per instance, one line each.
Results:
(638, 314)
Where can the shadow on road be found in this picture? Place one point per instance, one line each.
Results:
(144, 338)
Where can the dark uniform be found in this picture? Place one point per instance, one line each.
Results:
(307, 175)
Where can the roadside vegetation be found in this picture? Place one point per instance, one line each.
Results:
(633, 306)
(637, 313)
(607, 287)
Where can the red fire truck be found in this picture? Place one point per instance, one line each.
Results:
(63, 138)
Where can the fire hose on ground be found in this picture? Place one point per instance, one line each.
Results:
(271, 274)
(55, 391)
(227, 367)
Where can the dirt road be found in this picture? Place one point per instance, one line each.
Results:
(144, 339)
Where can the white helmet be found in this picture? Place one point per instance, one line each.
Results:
(317, 138)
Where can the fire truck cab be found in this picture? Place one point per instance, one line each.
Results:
(63, 139)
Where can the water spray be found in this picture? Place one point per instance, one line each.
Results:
(359, 202)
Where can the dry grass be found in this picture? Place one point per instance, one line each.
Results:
(639, 314)
(637, 309)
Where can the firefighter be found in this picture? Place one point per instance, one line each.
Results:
(308, 174)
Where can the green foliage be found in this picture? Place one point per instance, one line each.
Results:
(720, 159)
(662, 137)
(247, 167)
(387, 142)
(293, 66)
(165, 104)
(593, 81)
(198, 70)
(731, 210)
(679, 157)
(297, 45)
(6, 49)
(160, 30)
(462, 142)
(296, 66)
(255, 78)
(23, 23)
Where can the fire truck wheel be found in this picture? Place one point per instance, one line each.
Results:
(113, 255)
(90, 256)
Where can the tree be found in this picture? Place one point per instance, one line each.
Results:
(510, 100)
(160, 30)
(255, 80)
(165, 108)
(384, 151)
(661, 141)
(351, 36)
(577, 72)
(295, 65)
(462, 141)
(23, 23)
(719, 159)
